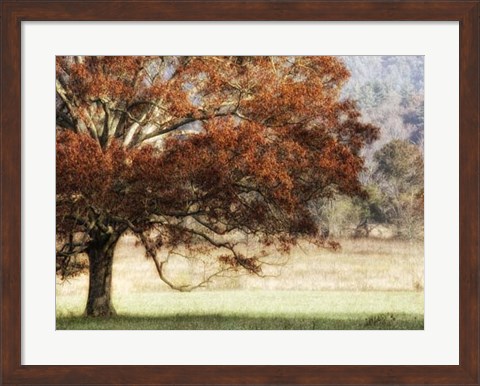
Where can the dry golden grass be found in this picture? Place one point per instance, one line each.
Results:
(361, 265)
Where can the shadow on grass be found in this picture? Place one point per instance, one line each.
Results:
(384, 321)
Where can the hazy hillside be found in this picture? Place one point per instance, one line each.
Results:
(389, 91)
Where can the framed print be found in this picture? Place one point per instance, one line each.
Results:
(240, 193)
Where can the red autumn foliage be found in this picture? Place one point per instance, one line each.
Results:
(186, 151)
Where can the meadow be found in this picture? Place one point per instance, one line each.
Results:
(368, 284)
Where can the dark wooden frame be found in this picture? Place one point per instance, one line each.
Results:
(14, 12)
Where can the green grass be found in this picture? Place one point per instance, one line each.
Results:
(360, 321)
(251, 310)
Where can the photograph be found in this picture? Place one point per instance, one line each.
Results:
(239, 192)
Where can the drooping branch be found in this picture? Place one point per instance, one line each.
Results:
(186, 287)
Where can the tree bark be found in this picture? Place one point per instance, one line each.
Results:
(100, 256)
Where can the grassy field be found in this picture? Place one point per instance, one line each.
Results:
(369, 284)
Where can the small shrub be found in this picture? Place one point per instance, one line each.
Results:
(380, 320)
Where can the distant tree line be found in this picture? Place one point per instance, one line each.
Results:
(389, 93)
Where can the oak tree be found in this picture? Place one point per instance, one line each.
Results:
(189, 153)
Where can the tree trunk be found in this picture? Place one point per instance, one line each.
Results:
(100, 256)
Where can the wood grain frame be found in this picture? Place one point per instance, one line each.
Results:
(14, 12)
